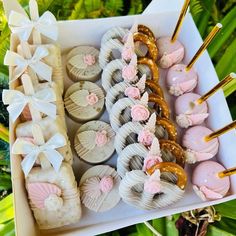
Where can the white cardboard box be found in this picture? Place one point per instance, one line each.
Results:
(79, 32)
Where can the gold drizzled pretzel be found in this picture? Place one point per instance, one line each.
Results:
(155, 88)
(169, 127)
(161, 103)
(175, 149)
(149, 42)
(145, 30)
(152, 66)
(173, 168)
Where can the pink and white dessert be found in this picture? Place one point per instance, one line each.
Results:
(198, 149)
(180, 81)
(170, 53)
(206, 182)
(188, 113)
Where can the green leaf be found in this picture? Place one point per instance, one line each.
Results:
(160, 225)
(226, 224)
(229, 26)
(78, 12)
(7, 229)
(227, 63)
(142, 229)
(93, 8)
(6, 209)
(113, 7)
(227, 209)
(214, 231)
(136, 7)
(170, 226)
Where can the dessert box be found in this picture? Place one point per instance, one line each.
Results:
(89, 32)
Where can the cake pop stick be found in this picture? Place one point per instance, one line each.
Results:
(182, 78)
(171, 51)
(191, 108)
(211, 180)
(202, 143)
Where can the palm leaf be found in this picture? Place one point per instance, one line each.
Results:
(78, 11)
(113, 7)
(136, 7)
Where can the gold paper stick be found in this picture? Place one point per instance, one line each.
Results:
(220, 85)
(221, 131)
(228, 172)
(180, 21)
(206, 42)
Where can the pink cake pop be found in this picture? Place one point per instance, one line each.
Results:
(199, 149)
(183, 78)
(171, 51)
(207, 183)
(187, 112)
(191, 108)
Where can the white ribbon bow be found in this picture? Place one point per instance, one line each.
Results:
(35, 63)
(40, 101)
(23, 26)
(32, 152)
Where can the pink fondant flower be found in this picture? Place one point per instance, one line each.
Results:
(150, 161)
(89, 59)
(127, 53)
(145, 137)
(101, 138)
(139, 113)
(106, 184)
(132, 92)
(129, 73)
(92, 99)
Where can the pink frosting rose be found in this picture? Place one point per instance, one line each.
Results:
(89, 59)
(139, 113)
(101, 138)
(127, 53)
(150, 161)
(129, 73)
(106, 184)
(145, 137)
(92, 99)
(132, 92)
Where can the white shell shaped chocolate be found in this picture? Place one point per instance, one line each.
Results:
(39, 192)
(91, 187)
(87, 139)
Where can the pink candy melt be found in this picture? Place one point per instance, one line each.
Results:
(129, 73)
(127, 53)
(177, 76)
(206, 174)
(193, 139)
(89, 59)
(152, 186)
(139, 113)
(150, 161)
(106, 184)
(132, 92)
(101, 138)
(92, 99)
(145, 137)
(169, 53)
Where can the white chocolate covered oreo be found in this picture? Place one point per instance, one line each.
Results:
(84, 101)
(99, 188)
(82, 64)
(94, 142)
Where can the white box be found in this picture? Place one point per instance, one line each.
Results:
(89, 32)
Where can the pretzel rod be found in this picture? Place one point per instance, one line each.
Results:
(39, 140)
(34, 13)
(29, 90)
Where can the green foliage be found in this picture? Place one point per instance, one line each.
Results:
(136, 7)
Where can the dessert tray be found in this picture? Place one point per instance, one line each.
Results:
(135, 155)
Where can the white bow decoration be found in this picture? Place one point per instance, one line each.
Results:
(32, 152)
(23, 26)
(40, 101)
(35, 63)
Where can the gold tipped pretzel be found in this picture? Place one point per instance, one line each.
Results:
(155, 88)
(175, 149)
(173, 168)
(149, 42)
(152, 66)
(145, 30)
(162, 104)
(169, 127)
